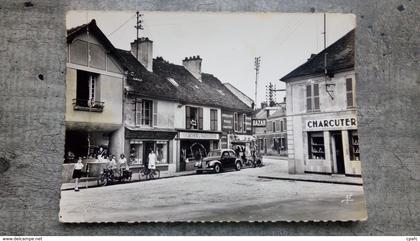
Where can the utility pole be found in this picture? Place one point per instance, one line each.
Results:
(138, 26)
(257, 70)
(328, 86)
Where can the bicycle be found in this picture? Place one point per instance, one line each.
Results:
(149, 174)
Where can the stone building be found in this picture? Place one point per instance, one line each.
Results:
(322, 113)
(140, 103)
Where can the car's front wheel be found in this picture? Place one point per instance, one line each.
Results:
(217, 168)
(238, 166)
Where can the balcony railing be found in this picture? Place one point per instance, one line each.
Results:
(88, 105)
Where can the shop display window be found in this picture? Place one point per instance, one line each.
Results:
(162, 152)
(354, 146)
(316, 145)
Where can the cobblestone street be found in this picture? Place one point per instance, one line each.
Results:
(229, 196)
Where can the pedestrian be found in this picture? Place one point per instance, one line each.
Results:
(123, 162)
(77, 173)
(152, 160)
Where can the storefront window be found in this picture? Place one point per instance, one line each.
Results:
(354, 146)
(136, 152)
(162, 152)
(316, 145)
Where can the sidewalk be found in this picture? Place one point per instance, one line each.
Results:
(279, 171)
(135, 178)
(333, 179)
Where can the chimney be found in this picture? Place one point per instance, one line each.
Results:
(193, 65)
(312, 56)
(145, 52)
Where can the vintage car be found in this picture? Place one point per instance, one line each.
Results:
(217, 161)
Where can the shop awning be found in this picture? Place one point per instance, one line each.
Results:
(150, 134)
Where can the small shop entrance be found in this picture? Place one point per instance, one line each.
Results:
(337, 151)
(148, 145)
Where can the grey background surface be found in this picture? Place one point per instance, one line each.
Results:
(32, 43)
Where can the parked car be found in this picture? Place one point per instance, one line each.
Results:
(218, 160)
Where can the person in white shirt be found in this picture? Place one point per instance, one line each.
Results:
(152, 160)
(123, 162)
(77, 173)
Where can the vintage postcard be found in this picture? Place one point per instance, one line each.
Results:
(199, 116)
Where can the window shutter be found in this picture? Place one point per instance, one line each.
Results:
(316, 96)
(155, 113)
(308, 98)
(349, 91)
(200, 118)
(188, 118)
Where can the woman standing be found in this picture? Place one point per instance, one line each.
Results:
(77, 173)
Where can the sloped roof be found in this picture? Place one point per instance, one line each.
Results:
(93, 29)
(208, 92)
(340, 56)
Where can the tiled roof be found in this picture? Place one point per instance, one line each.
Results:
(160, 83)
(340, 56)
(188, 90)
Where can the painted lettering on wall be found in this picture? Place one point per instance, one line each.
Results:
(332, 123)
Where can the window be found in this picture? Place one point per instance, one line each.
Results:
(354, 146)
(143, 113)
(350, 93)
(274, 126)
(213, 120)
(194, 118)
(284, 124)
(239, 122)
(280, 124)
(312, 97)
(87, 92)
(162, 152)
(316, 145)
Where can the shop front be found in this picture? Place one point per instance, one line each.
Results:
(332, 144)
(194, 146)
(141, 142)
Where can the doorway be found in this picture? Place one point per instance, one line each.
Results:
(147, 146)
(337, 151)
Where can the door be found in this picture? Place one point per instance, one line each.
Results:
(147, 147)
(337, 151)
(226, 159)
(233, 158)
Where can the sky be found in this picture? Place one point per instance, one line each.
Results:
(227, 42)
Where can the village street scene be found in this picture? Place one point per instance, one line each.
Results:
(151, 138)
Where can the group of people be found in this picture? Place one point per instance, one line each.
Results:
(116, 166)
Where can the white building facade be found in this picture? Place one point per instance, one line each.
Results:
(322, 113)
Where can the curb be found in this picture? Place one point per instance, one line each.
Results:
(95, 186)
(312, 180)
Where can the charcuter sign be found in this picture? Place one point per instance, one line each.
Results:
(259, 122)
(332, 123)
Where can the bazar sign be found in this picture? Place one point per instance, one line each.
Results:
(198, 135)
(331, 123)
(259, 122)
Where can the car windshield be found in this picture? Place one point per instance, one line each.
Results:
(214, 153)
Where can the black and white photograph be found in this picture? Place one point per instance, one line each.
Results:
(201, 116)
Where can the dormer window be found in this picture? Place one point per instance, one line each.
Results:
(172, 81)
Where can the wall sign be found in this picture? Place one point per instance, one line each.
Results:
(198, 135)
(259, 122)
(346, 122)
